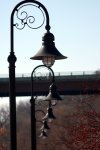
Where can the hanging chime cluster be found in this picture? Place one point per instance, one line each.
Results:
(53, 97)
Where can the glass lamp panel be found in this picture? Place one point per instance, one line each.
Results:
(48, 61)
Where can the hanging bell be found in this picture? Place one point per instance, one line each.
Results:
(43, 134)
(49, 116)
(45, 126)
(53, 94)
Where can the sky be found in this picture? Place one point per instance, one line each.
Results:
(75, 25)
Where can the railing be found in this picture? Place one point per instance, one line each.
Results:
(69, 73)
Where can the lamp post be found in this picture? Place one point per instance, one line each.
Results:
(48, 53)
(53, 95)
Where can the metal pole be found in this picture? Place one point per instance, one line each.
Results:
(33, 119)
(13, 136)
(12, 89)
(33, 125)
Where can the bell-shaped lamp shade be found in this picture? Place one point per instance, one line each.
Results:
(53, 94)
(48, 53)
(43, 134)
(49, 116)
(45, 126)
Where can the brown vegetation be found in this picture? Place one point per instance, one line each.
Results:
(76, 127)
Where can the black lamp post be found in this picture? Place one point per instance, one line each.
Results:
(48, 53)
(49, 98)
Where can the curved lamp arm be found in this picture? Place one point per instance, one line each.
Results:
(22, 4)
(32, 79)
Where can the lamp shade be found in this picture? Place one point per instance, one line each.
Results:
(53, 94)
(43, 134)
(48, 53)
(49, 116)
(45, 126)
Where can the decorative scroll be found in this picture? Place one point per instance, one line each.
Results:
(27, 15)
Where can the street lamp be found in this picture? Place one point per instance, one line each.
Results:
(48, 53)
(52, 96)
